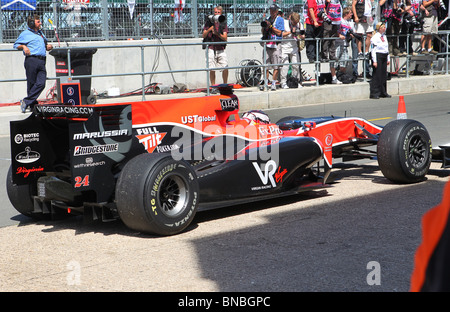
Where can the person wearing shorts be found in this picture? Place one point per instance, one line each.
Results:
(217, 57)
(273, 30)
(362, 26)
(342, 44)
(430, 25)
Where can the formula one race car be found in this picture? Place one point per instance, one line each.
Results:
(154, 164)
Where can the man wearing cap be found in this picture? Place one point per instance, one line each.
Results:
(273, 30)
(34, 46)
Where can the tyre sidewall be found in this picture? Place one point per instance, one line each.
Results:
(168, 168)
(415, 129)
(393, 151)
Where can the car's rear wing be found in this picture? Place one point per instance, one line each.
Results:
(78, 144)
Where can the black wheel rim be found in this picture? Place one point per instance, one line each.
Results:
(417, 151)
(173, 195)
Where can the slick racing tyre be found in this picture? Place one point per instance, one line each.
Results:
(404, 151)
(20, 196)
(157, 194)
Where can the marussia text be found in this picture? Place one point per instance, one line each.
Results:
(238, 301)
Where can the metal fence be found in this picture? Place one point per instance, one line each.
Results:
(88, 20)
(429, 65)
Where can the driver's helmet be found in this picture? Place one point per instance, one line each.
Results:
(256, 117)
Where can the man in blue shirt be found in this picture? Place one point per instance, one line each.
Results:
(34, 46)
(273, 30)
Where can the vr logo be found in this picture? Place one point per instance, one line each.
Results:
(269, 171)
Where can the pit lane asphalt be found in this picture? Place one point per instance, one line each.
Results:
(318, 241)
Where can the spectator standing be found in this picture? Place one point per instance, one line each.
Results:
(408, 26)
(380, 61)
(217, 57)
(397, 21)
(386, 15)
(273, 30)
(314, 27)
(34, 45)
(430, 25)
(362, 15)
(346, 28)
(330, 29)
(289, 48)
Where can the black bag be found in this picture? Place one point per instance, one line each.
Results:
(325, 78)
(292, 82)
(345, 78)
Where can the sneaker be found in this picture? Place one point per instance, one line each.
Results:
(368, 55)
(262, 85)
(306, 76)
(300, 85)
(23, 106)
(432, 51)
(273, 87)
(336, 81)
(360, 55)
(424, 51)
(284, 86)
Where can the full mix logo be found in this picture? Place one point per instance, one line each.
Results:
(150, 137)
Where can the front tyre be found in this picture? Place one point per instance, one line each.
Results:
(156, 194)
(404, 151)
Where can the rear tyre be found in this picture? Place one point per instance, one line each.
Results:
(20, 196)
(157, 194)
(404, 151)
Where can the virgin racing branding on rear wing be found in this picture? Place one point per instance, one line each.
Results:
(69, 111)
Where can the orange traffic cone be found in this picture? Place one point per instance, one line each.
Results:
(401, 113)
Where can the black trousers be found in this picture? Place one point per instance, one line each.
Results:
(36, 77)
(310, 45)
(379, 76)
(406, 29)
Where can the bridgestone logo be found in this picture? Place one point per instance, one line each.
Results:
(98, 149)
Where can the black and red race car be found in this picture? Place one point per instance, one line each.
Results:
(154, 164)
